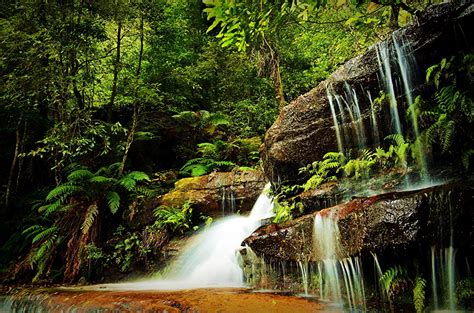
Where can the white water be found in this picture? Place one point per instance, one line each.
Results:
(336, 123)
(211, 258)
(383, 58)
(332, 269)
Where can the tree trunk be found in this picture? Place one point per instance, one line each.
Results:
(13, 165)
(136, 105)
(116, 71)
(277, 83)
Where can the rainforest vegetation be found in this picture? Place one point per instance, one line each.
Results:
(106, 104)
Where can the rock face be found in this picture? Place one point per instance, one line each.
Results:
(373, 224)
(218, 193)
(304, 130)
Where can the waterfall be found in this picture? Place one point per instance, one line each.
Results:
(349, 103)
(212, 257)
(383, 59)
(373, 118)
(336, 123)
(332, 268)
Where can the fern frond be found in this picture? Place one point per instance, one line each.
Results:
(45, 234)
(128, 183)
(113, 201)
(79, 175)
(32, 230)
(137, 176)
(50, 208)
(89, 218)
(99, 179)
(63, 191)
(466, 158)
(419, 294)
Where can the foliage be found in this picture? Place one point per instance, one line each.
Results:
(72, 210)
(176, 219)
(393, 280)
(324, 170)
(419, 294)
(284, 210)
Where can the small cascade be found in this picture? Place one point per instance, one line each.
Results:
(304, 275)
(212, 257)
(336, 123)
(228, 203)
(340, 105)
(383, 59)
(443, 278)
(333, 269)
(373, 120)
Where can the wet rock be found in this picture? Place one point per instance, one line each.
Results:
(217, 193)
(304, 130)
(391, 220)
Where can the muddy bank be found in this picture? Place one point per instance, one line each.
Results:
(197, 300)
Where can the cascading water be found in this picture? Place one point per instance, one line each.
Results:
(211, 258)
(332, 268)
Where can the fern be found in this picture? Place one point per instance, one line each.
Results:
(127, 183)
(419, 294)
(99, 179)
(89, 218)
(113, 201)
(389, 277)
(32, 230)
(51, 208)
(44, 234)
(79, 175)
(466, 158)
(137, 176)
(62, 191)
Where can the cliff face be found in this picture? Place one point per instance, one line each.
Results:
(304, 130)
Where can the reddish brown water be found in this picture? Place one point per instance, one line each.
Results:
(198, 300)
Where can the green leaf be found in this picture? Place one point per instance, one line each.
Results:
(113, 201)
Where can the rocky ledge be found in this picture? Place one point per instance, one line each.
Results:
(390, 220)
(218, 193)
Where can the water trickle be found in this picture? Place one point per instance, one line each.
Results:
(336, 123)
(373, 119)
(383, 59)
(331, 268)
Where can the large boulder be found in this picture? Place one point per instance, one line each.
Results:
(304, 130)
(396, 219)
(218, 193)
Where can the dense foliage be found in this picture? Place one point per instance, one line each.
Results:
(98, 99)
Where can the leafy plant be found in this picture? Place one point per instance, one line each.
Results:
(72, 210)
(324, 170)
(419, 294)
(284, 210)
(393, 280)
(176, 219)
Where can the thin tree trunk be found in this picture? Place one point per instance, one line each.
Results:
(277, 84)
(394, 16)
(20, 162)
(116, 71)
(136, 105)
(13, 166)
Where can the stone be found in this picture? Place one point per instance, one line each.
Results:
(236, 191)
(391, 220)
